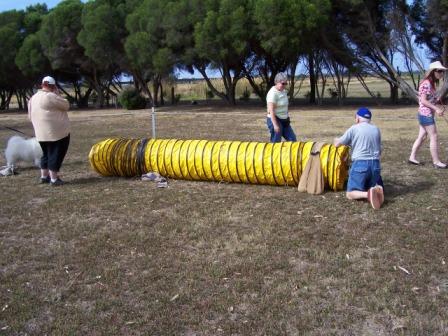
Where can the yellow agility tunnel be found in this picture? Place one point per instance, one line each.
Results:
(229, 161)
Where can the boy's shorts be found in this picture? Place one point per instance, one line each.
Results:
(364, 174)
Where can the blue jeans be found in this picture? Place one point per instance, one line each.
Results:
(286, 130)
(425, 121)
(364, 174)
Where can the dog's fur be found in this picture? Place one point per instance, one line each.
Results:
(21, 149)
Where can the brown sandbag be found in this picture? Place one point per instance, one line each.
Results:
(312, 178)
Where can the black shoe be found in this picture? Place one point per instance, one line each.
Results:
(45, 180)
(58, 182)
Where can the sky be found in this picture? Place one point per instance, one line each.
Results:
(22, 4)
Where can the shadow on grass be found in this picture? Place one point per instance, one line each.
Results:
(18, 169)
(89, 180)
(395, 188)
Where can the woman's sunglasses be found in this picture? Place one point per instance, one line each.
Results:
(439, 70)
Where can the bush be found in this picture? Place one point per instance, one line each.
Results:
(131, 99)
(177, 97)
(333, 93)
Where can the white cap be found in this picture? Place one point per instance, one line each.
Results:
(436, 65)
(49, 80)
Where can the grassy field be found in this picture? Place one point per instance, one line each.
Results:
(118, 256)
(197, 89)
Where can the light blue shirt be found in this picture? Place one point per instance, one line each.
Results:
(365, 141)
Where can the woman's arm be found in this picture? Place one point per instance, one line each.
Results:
(424, 101)
(271, 110)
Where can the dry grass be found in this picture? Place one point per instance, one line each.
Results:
(196, 89)
(116, 256)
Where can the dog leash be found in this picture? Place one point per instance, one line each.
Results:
(16, 130)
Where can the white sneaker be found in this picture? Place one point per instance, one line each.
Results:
(7, 171)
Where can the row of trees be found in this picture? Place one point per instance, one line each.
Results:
(90, 46)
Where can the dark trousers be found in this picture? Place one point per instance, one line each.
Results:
(54, 153)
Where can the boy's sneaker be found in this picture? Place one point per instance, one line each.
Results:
(45, 180)
(375, 197)
(57, 183)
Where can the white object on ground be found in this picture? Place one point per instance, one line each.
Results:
(21, 149)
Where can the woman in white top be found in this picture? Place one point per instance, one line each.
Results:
(277, 104)
(47, 111)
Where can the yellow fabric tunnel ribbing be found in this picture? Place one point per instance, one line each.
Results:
(230, 161)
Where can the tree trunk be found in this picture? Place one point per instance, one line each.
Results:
(155, 91)
(83, 100)
(162, 100)
(139, 82)
(229, 85)
(19, 99)
(312, 98)
(445, 50)
(393, 93)
(292, 81)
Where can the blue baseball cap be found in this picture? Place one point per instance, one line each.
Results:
(364, 112)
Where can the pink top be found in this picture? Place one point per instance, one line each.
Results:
(427, 89)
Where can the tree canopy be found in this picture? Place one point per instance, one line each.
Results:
(90, 46)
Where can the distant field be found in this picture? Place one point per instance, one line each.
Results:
(196, 90)
(118, 256)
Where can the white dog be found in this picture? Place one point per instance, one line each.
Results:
(21, 149)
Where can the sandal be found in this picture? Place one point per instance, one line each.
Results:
(439, 165)
(415, 163)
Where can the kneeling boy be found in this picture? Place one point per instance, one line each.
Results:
(364, 138)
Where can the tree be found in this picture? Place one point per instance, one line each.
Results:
(102, 36)
(58, 38)
(179, 35)
(431, 30)
(146, 46)
(12, 80)
(222, 38)
(284, 31)
(368, 27)
(30, 58)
